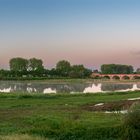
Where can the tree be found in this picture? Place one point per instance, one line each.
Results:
(79, 71)
(116, 69)
(18, 64)
(138, 70)
(36, 67)
(4, 73)
(35, 64)
(53, 73)
(63, 67)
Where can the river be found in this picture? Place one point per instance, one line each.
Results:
(66, 87)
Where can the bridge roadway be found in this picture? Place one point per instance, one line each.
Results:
(116, 76)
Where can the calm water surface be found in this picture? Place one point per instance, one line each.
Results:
(58, 87)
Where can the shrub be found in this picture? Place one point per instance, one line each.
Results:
(131, 123)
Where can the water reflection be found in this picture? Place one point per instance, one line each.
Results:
(93, 88)
(42, 87)
(49, 90)
(116, 86)
(5, 89)
(134, 88)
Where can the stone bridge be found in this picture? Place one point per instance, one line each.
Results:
(116, 76)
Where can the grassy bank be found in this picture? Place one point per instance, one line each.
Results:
(44, 79)
(21, 137)
(60, 117)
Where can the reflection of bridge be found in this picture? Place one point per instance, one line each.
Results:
(116, 76)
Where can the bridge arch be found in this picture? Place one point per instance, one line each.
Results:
(125, 77)
(115, 77)
(136, 77)
(106, 77)
(97, 77)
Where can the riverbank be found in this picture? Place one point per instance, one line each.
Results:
(65, 80)
(61, 116)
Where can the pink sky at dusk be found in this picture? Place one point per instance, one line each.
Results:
(83, 32)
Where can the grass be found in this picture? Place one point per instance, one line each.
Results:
(20, 137)
(59, 116)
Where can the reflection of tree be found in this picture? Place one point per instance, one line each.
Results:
(4, 85)
(138, 85)
(19, 87)
(113, 87)
(67, 88)
(60, 88)
(39, 87)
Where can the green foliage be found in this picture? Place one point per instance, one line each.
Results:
(63, 67)
(18, 64)
(138, 71)
(116, 69)
(35, 64)
(22, 68)
(4, 73)
(79, 71)
(132, 123)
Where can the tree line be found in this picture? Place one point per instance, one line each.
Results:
(117, 69)
(33, 68)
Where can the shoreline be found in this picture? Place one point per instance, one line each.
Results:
(72, 80)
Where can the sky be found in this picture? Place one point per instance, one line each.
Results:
(89, 32)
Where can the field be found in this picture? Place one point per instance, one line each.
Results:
(60, 117)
